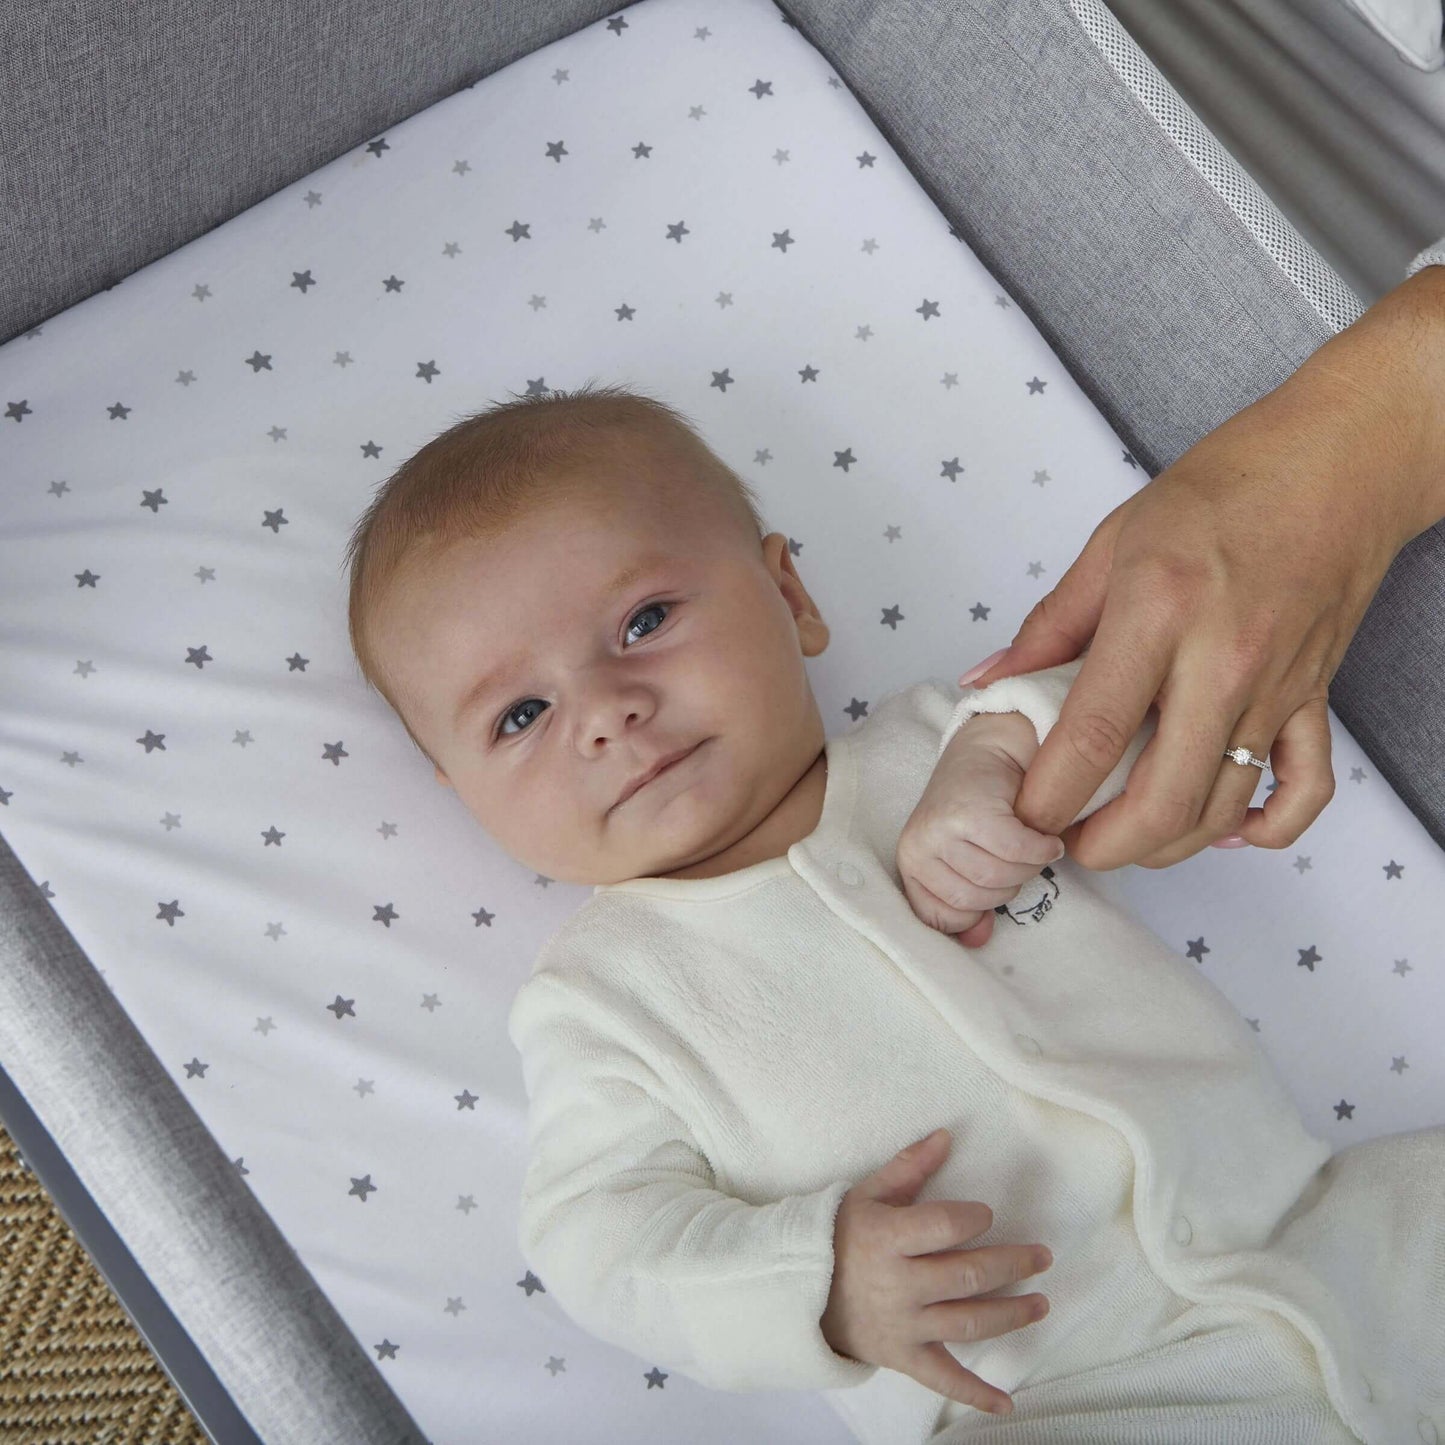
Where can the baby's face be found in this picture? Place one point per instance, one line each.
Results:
(543, 692)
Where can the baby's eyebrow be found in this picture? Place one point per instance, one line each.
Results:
(624, 579)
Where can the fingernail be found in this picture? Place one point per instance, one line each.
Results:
(1232, 841)
(978, 669)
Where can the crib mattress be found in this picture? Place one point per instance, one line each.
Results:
(313, 936)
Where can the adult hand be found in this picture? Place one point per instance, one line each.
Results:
(1226, 590)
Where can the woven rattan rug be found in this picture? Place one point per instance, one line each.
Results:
(73, 1370)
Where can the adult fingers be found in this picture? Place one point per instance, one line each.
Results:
(1300, 761)
(1121, 675)
(1182, 791)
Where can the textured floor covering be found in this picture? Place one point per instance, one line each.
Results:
(73, 1370)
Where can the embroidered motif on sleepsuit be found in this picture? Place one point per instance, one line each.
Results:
(1033, 901)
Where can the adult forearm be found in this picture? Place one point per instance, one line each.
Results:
(1386, 373)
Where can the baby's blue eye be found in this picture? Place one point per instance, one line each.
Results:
(663, 607)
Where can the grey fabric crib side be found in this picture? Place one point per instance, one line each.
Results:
(1169, 286)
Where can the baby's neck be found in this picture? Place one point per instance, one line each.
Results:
(794, 818)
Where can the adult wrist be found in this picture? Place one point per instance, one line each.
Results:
(1386, 372)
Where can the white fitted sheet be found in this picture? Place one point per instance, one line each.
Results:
(685, 198)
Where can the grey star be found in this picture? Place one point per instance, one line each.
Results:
(200, 656)
(1001, 301)
(153, 740)
(596, 224)
(170, 912)
(154, 499)
(342, 1007)
(554, 1364)
(296, 663)
(929, 308)
(856, 709)
(274, 930)
(1036, 386)
(428, 369)
(383, 913)
(844, 459)
(301, 280)
(1357, 775)
(782, 240)
(1041, 476)
(617, 25)
(386, 1350)
(467, 1100)
(264, 1026)
(241, 1165)
(312, 199)
(536, 302)
(979, 612)
(19, 410)
(808, 373)
(952, 469)
(258, 363)
(87, 578)
(59, 488)
(655, 1377)
(1130, 460)
(518, 230)
(1393, 869)
(481, 916)
(118, 412)
(466, 1203)
(677, 230)
(71, 759)
(243, 737)
(1402, 967)
(393, 283)
(1197, 949)
(274, 520)
(869, 246)
(1344, 1110)
(722, 380)
(1036, 569)
(272, 835)
(641, 151)
(363, 1087)
(377, 146)
(201, 292)
(893, 533)
(84, 669)
(865, 160)
(430, 1002)
(454, 1306)
(1398, 1066)
(892, 616)
(387, 830)
(362, 1187)
(625, 312)
(1301, 863)
(5, 797)
(206, 574)
(334, 753)
(196, 1069)
(760, 88)
(170, 820)
(451, 249)
(1308, 957)
(531, 1284)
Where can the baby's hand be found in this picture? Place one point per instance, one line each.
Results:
(962, 851)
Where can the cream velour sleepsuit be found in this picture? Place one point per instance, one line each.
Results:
(712, 1063)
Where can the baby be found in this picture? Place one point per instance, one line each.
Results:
(574, 608)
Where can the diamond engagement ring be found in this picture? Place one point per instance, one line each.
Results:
(1243, 755)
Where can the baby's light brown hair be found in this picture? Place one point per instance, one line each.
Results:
(482, 474)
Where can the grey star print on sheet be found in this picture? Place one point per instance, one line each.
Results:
(309, 932)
